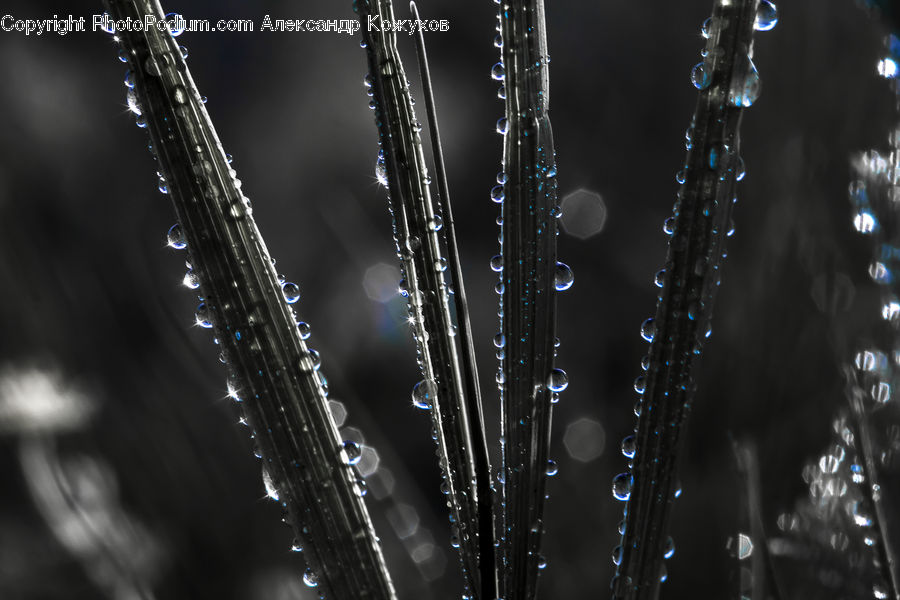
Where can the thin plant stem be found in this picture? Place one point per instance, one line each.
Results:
(527, 379)
(274, 375)
(421, 235)
(728, 82)
(473, 389)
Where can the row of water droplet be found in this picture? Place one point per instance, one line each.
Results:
(742, 93)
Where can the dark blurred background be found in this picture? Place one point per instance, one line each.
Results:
(124, 473)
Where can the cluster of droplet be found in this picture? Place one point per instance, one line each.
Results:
(204, 315)
(745, 86)
(743, 91)
(838, 516)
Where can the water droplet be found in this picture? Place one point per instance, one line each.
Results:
(498, 72)
(745, 90)
(502, 126)
(864, 222)
(681, 176)
(766, 16)
(498, 41)
(131, 100)
(501, 92)
(552, 468)
(617, 552)
(435, 223)
(352, 451)
(440, 264)
(669, 226)
(705, 28)
(176, 24)
(304, 329)
(499, 340)
(497, 194)
(669, 549)
(123, 55)
(563, 278)
(201, 317)
(887, 68)
(129, 78)
(740, 171)
(640, 384)
(271, 492)
(557, 381)
(184, 52)
(175, 237)
(310, 578)
(291, 292)
(191, 280)
(648, 329)
(700, 77)
(660, 278)
(629, 445)
(423, 394)
(295, 546)
(501, 178)
(542, 563)
(497, 263)
(621, 486)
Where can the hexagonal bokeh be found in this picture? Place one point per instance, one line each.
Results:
(368, 461)
(338, 412)
(381, 281)
(584, 439)
(583, 213)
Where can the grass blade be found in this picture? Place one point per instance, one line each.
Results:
(274, 373)
(420, 234)
(470, 372)
(527, 379)
(728, 82)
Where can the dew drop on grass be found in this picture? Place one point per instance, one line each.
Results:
(497, 194)
(132, 101)
(621, 486)
(291, 292)
(542, 563)
(270, 485)
(629, 445)
(352, 451)
(497, 263)
(669, 549)
(310, 578)
(498, 71)
(557, 381)
(552, 468)
(304, 329)
(502, 126)
(563, 278)
(423, 394)
(700, 77)
(201, 317)
(766, 16)
(191, 280)
(648, 329)
(745, 91)
(175, 237)
(435, 223)
(176, 24)
(705, 28)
